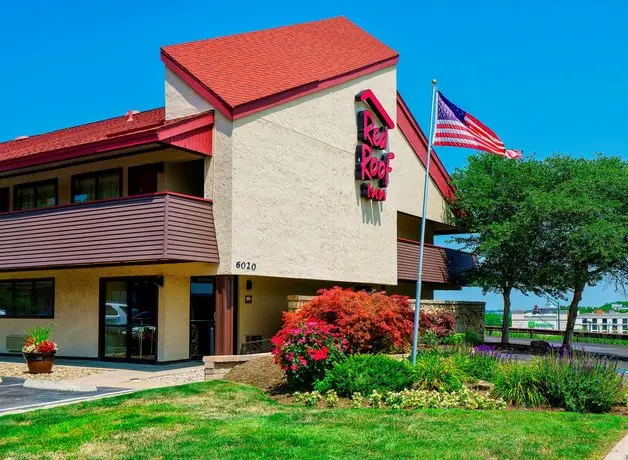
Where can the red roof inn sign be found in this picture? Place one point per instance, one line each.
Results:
(370, 163)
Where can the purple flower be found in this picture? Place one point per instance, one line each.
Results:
(487, 349)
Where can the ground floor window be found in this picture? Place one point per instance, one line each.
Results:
(129, 318)
(27, 298)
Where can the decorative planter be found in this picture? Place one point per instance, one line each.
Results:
(39, 363)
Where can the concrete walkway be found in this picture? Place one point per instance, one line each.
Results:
(128, 375)
(620, 451)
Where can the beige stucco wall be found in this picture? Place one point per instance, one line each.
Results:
(181, 101)
(284, 191)
(64, 175)
(263, 316)
(77, 307)
(406, 186)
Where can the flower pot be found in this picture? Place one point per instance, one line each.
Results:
(39, 363)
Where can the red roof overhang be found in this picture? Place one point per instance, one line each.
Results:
(418, 141)
(190, 133)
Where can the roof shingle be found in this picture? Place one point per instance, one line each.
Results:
(247, 67)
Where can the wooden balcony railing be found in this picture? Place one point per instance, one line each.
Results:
(440, 265)
(161, 227)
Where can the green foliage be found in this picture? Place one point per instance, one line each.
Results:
(365, 373)
(331, 398)
(40, 334)
(461, 338)
(582, 213)
(429, 338)
(434, 372)
(519, 384)
(548, 226)
(495, 319)
(581, 383)
(489, 204)
(424, 399)
(482, 366)
(472, 338)
(310, 398)
(458, 338)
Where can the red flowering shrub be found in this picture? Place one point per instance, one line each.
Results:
(442, 324)
(370, 322)
(307, 351)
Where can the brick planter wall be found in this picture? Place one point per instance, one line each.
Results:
(469, 315)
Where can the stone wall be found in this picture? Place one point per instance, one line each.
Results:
(469, 315)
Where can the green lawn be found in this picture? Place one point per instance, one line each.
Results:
(225, 420)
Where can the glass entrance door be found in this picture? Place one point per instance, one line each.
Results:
(202, 317)
(129, 319)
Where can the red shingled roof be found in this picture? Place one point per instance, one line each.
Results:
(79, 135)
(145, 127)
(242, 69)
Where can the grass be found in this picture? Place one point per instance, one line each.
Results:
(523, 335)
(226, 420)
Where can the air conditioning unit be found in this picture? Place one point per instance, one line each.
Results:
(15, 343)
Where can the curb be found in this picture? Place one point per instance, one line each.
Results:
(60, 386)
(620, 451)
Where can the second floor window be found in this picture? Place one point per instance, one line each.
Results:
(35, 195)
(101, 185)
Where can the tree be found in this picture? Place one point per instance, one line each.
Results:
(582, 215)
(490, 203)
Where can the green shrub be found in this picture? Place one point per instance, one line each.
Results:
(581, 383)
(365, 373)
(433, 372)
(429, 338)
(455, 339)
(473, 338)
(482, 366)
(519, 384)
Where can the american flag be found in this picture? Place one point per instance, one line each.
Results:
(457, 128)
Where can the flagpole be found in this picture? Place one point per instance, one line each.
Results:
(417, 296)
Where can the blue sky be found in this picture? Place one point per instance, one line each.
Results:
(546, 76)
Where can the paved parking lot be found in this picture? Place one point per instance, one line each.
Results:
(14, 397)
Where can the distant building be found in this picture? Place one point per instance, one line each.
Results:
(547, 318)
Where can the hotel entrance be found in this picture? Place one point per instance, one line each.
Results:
(202, 317)
(128, 319)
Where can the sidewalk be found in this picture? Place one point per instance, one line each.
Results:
(138, 376)
(124, 375)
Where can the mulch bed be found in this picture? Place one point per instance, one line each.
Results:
(262, 373)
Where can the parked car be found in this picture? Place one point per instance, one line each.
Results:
(115, 314)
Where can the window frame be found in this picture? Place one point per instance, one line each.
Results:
(6, 190)
(36, 184)
(96, 175)
(33, 298)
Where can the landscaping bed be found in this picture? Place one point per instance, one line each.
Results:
(332, 352)
(13, 369)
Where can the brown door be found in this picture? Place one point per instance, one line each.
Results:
(143, 179)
